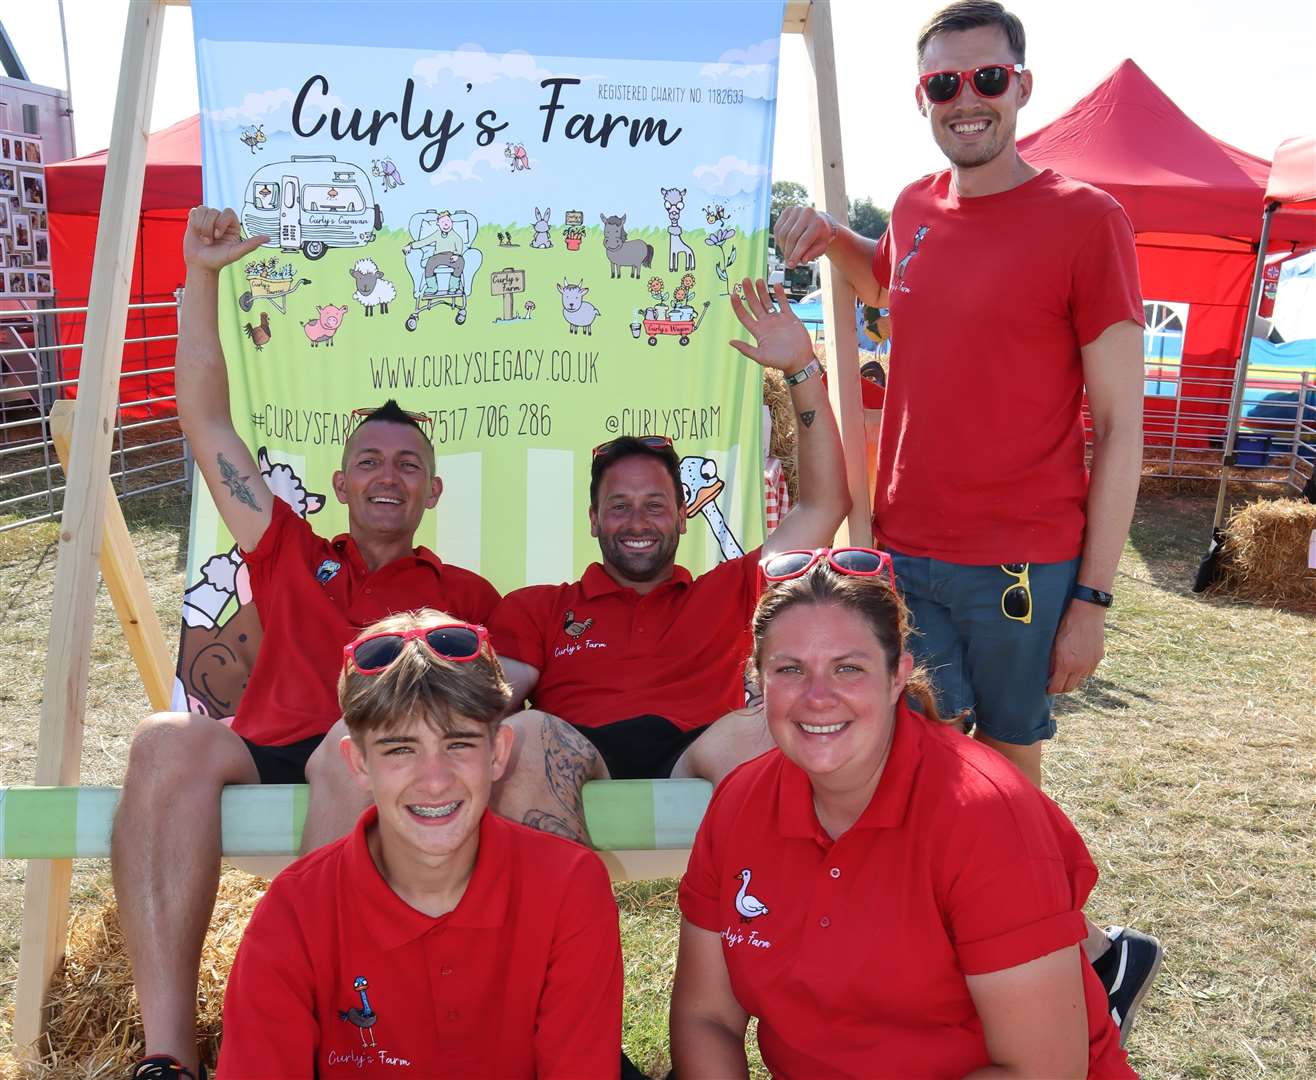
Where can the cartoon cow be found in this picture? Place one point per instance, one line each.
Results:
(700, 486)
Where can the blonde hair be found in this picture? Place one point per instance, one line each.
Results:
(871, 598)
(421, 684)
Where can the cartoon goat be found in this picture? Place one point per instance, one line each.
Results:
(372, 287)
(623, 252)
(579, 312)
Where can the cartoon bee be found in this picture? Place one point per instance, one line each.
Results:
(252, 137)
(715, 213)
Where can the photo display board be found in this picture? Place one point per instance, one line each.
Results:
(24, 221)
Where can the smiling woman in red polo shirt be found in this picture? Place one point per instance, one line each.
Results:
(887, 896)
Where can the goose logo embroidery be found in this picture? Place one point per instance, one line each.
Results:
(749, 907)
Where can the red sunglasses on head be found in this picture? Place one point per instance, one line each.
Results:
(989, 81)
(423, 420)
(855, 561)
(653, 442)
(456, 641)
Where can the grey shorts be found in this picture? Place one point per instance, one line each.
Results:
(981, 660)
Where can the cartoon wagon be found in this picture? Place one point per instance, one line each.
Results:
(312, 203)
(265, 281)
(682, 328)
(441, 261)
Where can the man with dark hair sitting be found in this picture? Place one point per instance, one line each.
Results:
(313, 596)
(437, 938)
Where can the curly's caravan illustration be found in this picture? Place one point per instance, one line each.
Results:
(215, 658)
(363, 1019)
(579, 312)
(700, 486)
(387, 172)
(311, 202)
(441, 261)
(677, 248)
(373, 289)
(543, 229)
(325, 325)
(253, 137)
(621, 251)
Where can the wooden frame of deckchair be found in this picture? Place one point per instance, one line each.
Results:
(92, 532)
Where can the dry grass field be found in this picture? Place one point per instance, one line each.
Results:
(1187, 764)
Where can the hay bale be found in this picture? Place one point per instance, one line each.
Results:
(781, 441)
(95, 1023)
(1264, 556)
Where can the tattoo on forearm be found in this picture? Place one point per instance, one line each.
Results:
(551, 823)
(236, 484)
(807, 417)
(568, 756)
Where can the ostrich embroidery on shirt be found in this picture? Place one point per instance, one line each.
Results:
(898, 278)
(363, 1019)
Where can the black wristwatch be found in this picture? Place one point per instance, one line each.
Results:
(1092, 596)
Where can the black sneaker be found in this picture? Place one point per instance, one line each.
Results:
(1126, 970)
(164, 1067)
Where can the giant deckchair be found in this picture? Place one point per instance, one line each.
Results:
(641, 828)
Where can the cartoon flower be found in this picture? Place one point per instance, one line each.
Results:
(655, 285)
(688, 281)
(720, 237)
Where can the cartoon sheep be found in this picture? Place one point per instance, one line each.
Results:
(372, 287)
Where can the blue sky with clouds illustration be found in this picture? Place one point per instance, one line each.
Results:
(254, 66)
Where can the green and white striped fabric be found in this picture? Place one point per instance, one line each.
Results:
(74, 823)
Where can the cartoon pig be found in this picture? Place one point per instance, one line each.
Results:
(326, 326)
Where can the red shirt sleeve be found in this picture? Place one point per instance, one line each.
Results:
(516, 625)
(578, 1028)
(1105, 288)
(285, 533)
(270, 1028)
(882, 260)
(1015, 882)
(479, 599)
(700, 893)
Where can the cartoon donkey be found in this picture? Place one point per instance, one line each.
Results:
(623, 252)
(674, 201)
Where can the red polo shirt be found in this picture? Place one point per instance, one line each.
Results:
(605, 653)
(957, 867)
(316, 595)
(522, 979)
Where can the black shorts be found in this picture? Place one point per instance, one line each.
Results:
(283, 764)
(641, 748)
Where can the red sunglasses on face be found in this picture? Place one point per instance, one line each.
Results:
(855, 561)
(456, 641)
(989, 81)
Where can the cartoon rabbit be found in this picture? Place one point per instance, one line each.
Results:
(542, 229)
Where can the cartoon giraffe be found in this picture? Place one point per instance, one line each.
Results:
(674, 200)
(700, 486)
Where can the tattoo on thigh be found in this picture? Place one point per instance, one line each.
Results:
(551, 823)
(236, 483)
(807, 417)
(567, 757)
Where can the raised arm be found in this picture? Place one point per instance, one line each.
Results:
(1112, 372)
(212, 241)
(782, 342)
(707, 1023)
(804, 233)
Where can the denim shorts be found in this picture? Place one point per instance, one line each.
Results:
(979, 659)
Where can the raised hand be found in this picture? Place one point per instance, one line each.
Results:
(802, 234)
(781, 340)
(214, 239)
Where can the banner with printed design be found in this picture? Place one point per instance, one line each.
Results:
(524, 220)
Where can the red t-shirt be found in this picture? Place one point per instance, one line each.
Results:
(522, 979)
(957, 867)
(605, 653)
(980, 459)
(313, 597)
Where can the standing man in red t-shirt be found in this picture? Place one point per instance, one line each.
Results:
(1011, 291)
(313, 596)
(644, 662)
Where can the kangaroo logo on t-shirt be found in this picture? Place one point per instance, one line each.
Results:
(898, 278)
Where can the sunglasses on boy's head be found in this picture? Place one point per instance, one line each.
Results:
(456, 641)
(855, 561)
(653, 442)
(989, 81)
